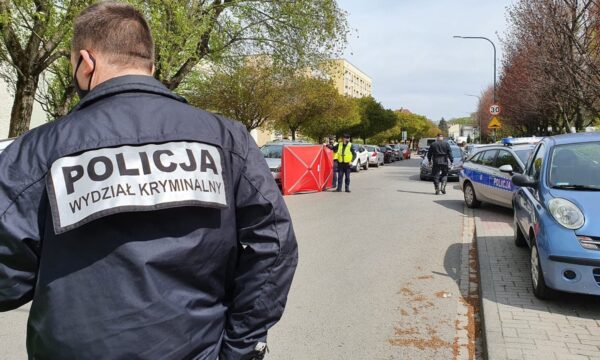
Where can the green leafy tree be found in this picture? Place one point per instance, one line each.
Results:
(34, 34)
(187, 34)
(416, 126)
(443, 126)
(250, 93)
(461, 121)
(295, 33)
(57, 94)
(341, 113)
(374, 118)
(306, 100)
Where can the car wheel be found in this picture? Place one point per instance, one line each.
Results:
(470, 197)
(358, 166)
(540, 289)
(422, 177)
(518, 236)
(366, 165)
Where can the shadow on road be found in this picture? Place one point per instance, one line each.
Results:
(416, 192)
(451, 265)
(456, 205)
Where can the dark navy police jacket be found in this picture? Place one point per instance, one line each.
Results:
(142, 228)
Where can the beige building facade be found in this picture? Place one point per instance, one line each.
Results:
(348, 79)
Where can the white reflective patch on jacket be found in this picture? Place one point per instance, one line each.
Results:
(106, 181)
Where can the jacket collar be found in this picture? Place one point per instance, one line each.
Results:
(127, 84)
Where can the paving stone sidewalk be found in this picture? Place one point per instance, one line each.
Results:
(516, 324)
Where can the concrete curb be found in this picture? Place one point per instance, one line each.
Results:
(494, 345)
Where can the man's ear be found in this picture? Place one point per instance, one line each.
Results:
(88, 65)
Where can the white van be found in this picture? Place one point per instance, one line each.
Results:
(424, 145)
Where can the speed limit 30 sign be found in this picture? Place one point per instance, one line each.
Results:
(495, 110)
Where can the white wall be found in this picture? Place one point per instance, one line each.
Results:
(6, 101)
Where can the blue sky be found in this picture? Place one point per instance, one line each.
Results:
(406, 47)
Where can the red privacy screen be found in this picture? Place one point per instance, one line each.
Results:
(306, 169)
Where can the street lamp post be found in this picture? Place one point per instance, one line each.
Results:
(494, 46)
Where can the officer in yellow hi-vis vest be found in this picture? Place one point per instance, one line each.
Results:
(331, 146)
(345, 155)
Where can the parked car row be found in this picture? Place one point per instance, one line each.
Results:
(366, 155)
(554, 189)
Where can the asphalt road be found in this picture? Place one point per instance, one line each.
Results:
(378, 271)
(377, 277)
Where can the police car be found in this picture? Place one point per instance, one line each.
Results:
(486, 175)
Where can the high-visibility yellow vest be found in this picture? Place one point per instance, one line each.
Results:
(346, 157)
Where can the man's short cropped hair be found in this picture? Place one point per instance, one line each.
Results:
(118, 31)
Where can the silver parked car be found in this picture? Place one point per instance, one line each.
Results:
(273, 152)
(486, 175)
(376, 157)
(362, 158)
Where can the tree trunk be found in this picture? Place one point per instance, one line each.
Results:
(293, 131)
(64, 108)
(20, 116)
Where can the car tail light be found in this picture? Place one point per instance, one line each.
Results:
(374, 153)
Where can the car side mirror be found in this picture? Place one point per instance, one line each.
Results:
(508, 169)
(524, 181)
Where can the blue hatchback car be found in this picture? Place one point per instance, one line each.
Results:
(556, 212)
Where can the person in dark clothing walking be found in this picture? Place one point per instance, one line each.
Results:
(439, 156)
(140, 226)
(345, 155)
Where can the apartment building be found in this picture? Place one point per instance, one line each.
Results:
(348, 79)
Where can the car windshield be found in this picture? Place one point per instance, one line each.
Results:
(272, 151)
(370, 148)
(403, 147)
(576, 166)
(456, 153)
(524, 154)
(383, 149)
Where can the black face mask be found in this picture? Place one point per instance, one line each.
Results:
(83, 92)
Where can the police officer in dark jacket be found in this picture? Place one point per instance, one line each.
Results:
(439, 156)
(332, 146)
(141, 227)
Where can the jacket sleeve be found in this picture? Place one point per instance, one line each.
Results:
(20, 205)
(268, 256)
